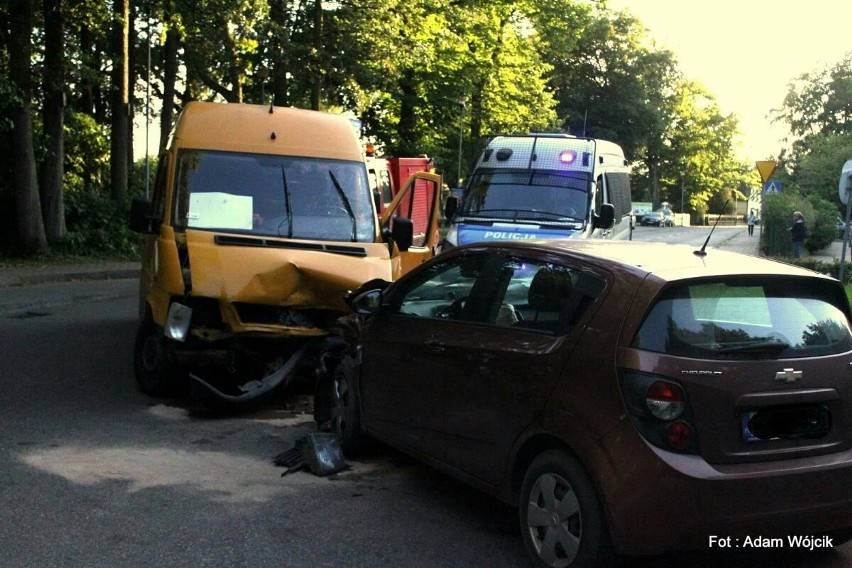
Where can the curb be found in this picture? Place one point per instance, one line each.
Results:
(23, 277)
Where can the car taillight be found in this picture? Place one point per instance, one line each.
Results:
(678, 436)
(666, 401)
(660, 411)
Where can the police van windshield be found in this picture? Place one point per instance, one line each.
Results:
(282, 196)
(530, 195)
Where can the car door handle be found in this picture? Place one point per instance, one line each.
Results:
(433, 345)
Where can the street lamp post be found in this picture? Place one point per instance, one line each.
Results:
(462, 102)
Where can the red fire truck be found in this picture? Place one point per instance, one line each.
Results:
(388, 174)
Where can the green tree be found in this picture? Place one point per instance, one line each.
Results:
(819, 165)
(818, 102)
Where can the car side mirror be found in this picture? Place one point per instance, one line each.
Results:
(450, 207)
(141, 215)
(605, 218)
(402, 233)
(367, 303)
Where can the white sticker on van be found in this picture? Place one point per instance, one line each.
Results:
(219, 210)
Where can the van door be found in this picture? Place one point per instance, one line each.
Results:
(418, 200)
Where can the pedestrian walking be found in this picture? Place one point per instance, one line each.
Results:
(750, 221)
(798, 232)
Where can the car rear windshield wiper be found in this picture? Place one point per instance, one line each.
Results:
(769, 346)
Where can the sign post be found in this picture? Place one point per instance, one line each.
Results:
(766, 168)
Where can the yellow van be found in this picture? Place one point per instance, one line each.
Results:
(260, 220)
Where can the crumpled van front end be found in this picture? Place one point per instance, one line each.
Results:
(260, 222)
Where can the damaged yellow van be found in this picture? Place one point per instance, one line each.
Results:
(260, 220)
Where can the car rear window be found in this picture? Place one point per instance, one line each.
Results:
(748, 319)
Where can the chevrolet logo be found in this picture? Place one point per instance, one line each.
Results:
(788, 376)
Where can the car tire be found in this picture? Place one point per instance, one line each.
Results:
(561, 518)
(155, 374)
(346, 410)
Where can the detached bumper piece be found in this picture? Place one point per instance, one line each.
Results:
(254, 389)
(320, 452)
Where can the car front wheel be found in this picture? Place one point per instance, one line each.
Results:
(562, 521)
(346, 413)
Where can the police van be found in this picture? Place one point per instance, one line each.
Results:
(543, 186)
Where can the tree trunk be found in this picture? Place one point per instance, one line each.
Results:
(170, 70)
(31, 233)
(119, 137)
(52, 202)
(316, 64)
(407, 142)
(87, 95)
(132, 76)
(278, 49)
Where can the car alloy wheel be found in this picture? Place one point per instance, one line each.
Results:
(561, 519)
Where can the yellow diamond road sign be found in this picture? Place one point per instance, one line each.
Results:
(766, 169)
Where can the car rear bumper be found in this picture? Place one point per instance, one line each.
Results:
(669, 501)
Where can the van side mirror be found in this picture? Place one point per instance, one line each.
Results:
(450, 207)
(605, 218)
(402, 233)
(141, 215)
(377, 199)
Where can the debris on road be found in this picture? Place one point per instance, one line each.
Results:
(320, 452)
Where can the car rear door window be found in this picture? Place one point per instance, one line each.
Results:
(748, 319)
(541, 295)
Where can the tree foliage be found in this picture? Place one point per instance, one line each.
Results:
(433, 77)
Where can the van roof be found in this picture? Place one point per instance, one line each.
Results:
(516, 151)
(266, 130)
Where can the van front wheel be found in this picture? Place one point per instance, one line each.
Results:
(155, 374)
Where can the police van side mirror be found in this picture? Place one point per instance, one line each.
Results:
(142, 215)
(605, 218)
(450, 207)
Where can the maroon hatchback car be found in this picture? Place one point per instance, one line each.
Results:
(629, 398)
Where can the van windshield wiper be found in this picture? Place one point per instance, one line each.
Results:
(346, 204)
(287, 206)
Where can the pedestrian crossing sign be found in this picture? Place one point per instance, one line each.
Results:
(772, 187)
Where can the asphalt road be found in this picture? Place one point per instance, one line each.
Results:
(95, 474)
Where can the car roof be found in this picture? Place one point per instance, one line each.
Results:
(667, 261)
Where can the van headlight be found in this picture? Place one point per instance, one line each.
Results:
(177, 323)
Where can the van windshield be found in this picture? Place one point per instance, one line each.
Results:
(282, 196)
(539, 195)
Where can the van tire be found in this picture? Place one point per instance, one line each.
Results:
(554, 477)
(155, 374)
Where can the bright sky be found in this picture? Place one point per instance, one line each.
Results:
(746, 51)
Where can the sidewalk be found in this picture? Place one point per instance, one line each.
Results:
(28, 275)
(736, 239)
